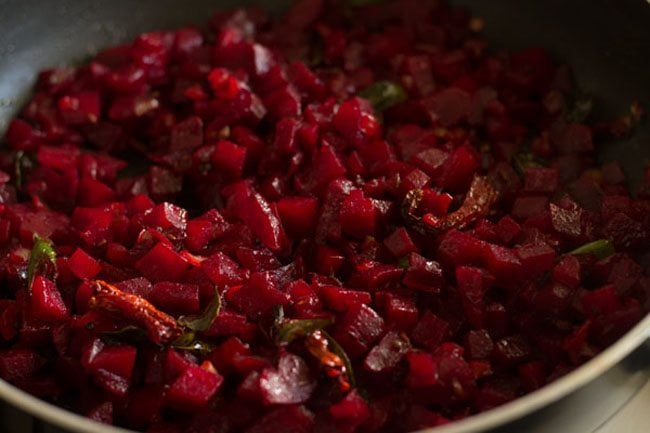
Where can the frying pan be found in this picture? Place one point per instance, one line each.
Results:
(606, 42)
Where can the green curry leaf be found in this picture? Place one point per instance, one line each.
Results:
(601, 249)
(202, 322)
(42, 260)
(384, 95)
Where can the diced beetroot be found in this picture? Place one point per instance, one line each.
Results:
(289, 419)
(525, 207)
(20, 364)
(458, 170)
(430, 331)
(222, 270)
(229, 158)
(532, 375)
(353, 410)
(478, 344)
(102, 413)
(166, 216)
(358, 215)
(176, 297)
(536, 258)
(290, 383)
(258, 297)
(541, 180)
(575, 138)
(386, 355)
(458, 248)
(83, 265)
(328, 260)
(422, 370)
(553, 298)
(507, 229)
(46, 302)
(431, 161)
(503, 263)
(399, 243)
(193, 389)
(601, 301)
(511, 351)
(568, 271)
(448, 106)
(472, 285)
(360, 327)
(373, 276)
(162, 263)
(399, 312)
(339, 299)
(118, 360)
(298, 215)
(422, 274)
(201, 231)
(257, 214)
(355, 121)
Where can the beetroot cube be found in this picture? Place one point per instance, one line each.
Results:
(532, 375)
(601, 301)
(431, 161)
(430, 331)
(166, 216)
(448, 106)
(355, 121)
(399, 243)
(458, 248)
(298, 215)
(229, 158)
(81, 108)
(193, 389)
(19, 364)
(290, 383)
(341, 299)
(399, 312)
(102, 413)
(478, 344)
(112, 383)
(422, 370)
(46, 302)
(289, 419)
(258, 297)
(360, 327)
(541, 180)
(358, 215)
(423, 275)
(574, 139)
(83, 265)
(459, 169)
(503, 263)
(507, 229)
(118, 360)
(536, 258)
(232, 324)
(554, 298)
(257, 214)
(222, 270)
(201, 231)
(353, 409)
(511, 351)
(162, 263)
(568, 271)
(472, 285)
(525, 207)
(328, 260)
(387, 355)
(94, 193)
(176, 297)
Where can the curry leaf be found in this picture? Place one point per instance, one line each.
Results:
(202, 322)
(42, 260)
(601, 249)
(582, 107)
(384, 94)
(289, 330)
(188, 342)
